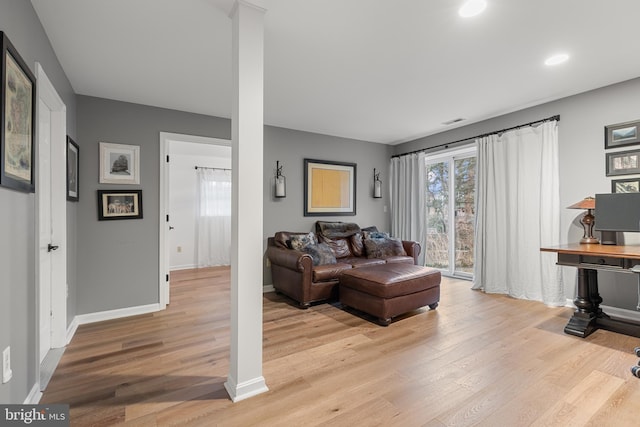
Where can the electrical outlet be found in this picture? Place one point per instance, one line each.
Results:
(179, 249)
(6, 365)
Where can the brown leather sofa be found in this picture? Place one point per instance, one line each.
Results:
(295, 275)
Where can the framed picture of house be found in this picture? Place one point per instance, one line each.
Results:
(623, 163)
(622, 134)
(17, 112)
(119, 163)
(329, 188)
(119, 204)
(625, 185)
(73, 161)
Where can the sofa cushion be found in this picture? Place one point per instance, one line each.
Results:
(362, 262)
(400, 259)
(300, 241)
(333, 229)
(320, 254)
(383, 247)
(327, 272)
(339, 246)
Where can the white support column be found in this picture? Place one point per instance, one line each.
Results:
(245, 368)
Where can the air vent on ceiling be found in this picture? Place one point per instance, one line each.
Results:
(450, 122)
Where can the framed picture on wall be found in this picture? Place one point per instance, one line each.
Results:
(631, 185)
(622, 134)
(119, 204)
(623, 163)
(329, 188)
(17, 110)
(119, 163)
(73, 161)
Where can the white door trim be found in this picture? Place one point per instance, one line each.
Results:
(165, 140)
(47, 93)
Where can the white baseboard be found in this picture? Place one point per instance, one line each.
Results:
(34, 395)
(245, 390)
(268, 288)
(182, 267)
(116, 314)
(72, 328)
(621, 313)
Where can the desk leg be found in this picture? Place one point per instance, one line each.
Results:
(583, 321)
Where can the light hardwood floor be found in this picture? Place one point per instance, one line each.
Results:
(478, 359)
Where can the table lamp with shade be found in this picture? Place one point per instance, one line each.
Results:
(587, 220)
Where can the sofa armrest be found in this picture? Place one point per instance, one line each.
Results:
(412, 249)
(289, 258)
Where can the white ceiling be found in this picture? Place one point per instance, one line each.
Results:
(384, 71)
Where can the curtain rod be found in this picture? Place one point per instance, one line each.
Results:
(219, 169)
(548, 119)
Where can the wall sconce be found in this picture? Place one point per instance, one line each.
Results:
(588, 220)
(377, 185)
(281, 182)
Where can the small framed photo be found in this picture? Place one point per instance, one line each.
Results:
(73, 160)
(119, 163)
(623, 163)
(17, 112)
(119, 204)
(329, 188)
(622, 134)
(625, 185)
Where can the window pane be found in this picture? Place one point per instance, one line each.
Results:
(465, 182)
(437, 250)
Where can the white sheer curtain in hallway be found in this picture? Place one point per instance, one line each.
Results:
(408, 199)
(517, 213)
(213, 223)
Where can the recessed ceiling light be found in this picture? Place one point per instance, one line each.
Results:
(472, 8)
(556, 59)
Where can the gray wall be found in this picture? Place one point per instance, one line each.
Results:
(582, 163)
(291, 148)
(18, 317)
(118, 260)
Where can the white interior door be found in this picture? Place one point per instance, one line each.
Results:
(51, 274)
(45, 234)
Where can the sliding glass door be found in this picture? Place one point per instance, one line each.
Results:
(451, 190)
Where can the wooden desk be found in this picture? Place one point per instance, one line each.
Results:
(588, 259)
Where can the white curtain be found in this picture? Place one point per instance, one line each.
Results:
(213, 222)
(518, 211)
(408, 199)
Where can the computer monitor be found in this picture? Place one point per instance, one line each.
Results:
(617, 212)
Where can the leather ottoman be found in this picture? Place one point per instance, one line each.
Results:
(389, 290)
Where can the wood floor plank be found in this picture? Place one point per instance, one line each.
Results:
(477, 359)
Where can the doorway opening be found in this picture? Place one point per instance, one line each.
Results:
(179, 207)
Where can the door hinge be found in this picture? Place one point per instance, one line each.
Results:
(167, 217)
(167, 278)
(167, 158)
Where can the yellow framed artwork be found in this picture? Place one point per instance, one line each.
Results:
(329, 188)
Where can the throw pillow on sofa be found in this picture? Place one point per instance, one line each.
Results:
(339, 246)
(383, 247)
(357, 245)
(320, 254)
(299, 242)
